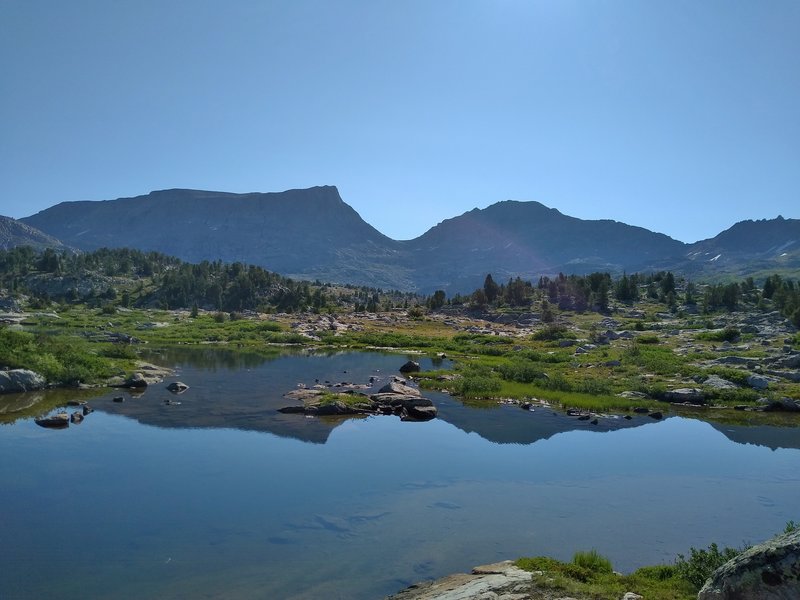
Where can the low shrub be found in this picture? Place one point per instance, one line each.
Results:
(702, 563)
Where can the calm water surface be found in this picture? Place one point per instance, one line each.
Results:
(223, 497)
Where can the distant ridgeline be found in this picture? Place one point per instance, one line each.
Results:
(312, 234)
(126, 278)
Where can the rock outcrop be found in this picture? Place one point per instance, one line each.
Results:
(394, 398)
(768, 571)
(500, 580)
(20, 380)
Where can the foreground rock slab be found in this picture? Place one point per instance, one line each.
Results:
(768, 571)
(500, 580)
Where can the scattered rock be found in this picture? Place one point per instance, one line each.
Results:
(177, 387)
(768, 571)
(632, 394)
(656, 415)
(718, 383)
(118, 399)
(758, 382)
(137, 380)
(410, 367)
(76, 417)
(57, 421)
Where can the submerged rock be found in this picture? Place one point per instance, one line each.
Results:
(177, 387)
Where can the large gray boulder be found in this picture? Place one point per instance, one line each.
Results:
(718, 383)
(768, 571)
(20, 380)
(394, 387)
(758, 382)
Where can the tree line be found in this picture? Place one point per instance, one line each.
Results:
(152, 279)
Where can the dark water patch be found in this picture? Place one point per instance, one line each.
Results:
(446, 505)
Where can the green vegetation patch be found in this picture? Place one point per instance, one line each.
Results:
(62, 359)
(591, 575)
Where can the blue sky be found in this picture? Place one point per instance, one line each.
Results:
(679, 116)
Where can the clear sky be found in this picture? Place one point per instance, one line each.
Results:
(679, 116)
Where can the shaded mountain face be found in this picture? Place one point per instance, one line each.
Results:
(313, 234)
(749, 248)
(527, 239)
(306, 234)
(15, 233)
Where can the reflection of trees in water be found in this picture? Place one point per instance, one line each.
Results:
(211, 359)
(14, 407)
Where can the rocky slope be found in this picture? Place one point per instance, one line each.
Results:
(748, 248)
(15, 233)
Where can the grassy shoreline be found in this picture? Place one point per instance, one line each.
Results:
(492, 362)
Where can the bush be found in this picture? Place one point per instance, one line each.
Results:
(520, 371)
(729, 334)
(551, 333)
(702, 563)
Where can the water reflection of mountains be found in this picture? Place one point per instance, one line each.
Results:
(236, 390)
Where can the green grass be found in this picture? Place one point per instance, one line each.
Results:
(351, 400)
(488, 366)
(62, 359)
(591, 575)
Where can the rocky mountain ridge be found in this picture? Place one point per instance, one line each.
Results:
(313, 234)
(15, 233)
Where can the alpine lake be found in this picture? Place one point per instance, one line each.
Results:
(216, 494)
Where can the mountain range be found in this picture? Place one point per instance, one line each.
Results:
(313, 234)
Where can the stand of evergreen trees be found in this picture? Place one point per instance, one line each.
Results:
(152, 279)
